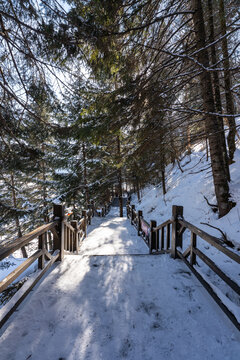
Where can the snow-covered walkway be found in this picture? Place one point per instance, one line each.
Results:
(127, 306)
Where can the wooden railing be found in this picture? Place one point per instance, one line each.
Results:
(51, 242)
(48, 235)
(168, 238)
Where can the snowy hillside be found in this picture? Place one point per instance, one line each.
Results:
(188, 188)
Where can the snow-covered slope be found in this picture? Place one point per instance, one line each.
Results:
(188, 188)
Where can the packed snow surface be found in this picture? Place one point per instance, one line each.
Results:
(114, 301)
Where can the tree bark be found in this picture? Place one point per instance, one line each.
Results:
(163, 182)
(227, 83)
(216, 87)
(211, 121)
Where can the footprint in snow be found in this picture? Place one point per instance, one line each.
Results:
(126, 347)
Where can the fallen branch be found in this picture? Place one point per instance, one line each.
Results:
(215, 207)
(226, 241)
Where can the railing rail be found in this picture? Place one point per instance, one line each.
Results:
(168, 237)
(55, 239)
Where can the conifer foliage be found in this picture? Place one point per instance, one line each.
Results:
(99, 96)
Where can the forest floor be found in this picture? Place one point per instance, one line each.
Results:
(114, 301)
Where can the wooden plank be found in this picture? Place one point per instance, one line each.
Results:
(47, 254)
(211, 292)
(62, 239)
(218, 271)
(145, 227)
(16, 300)
(168, 235)
(81, 222)
(211, 240)
(10, 247)
(68, 239)
(65, 236)
(165, 223)
(193, 246)
(19, 270)
(55, 232)
(41, 245)
(181, 231)
(187, 252)
(162, 238)
(69, 226)
(140, 214)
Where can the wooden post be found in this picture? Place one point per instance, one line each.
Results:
(162, 238)
(193, 245)
(41, 245)
(152, 236)
(84, 214)
(58, 241)
(176, 239)
(140, 214)
(133, 208)
(74, 224)
(168, 236)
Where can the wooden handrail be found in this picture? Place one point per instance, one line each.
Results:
(81, 222)
(212, 240)
(69, 226)
(159, 227)
(13, 245)
(66, 236)
(19, 270)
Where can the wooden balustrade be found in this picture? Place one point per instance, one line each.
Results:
(52, 241)
(168, 238)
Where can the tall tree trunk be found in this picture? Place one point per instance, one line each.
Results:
(85, 175)
(189, 150)
(216, 87)
(163, 181)
(227, 83)
(17, 222)
(211, 122)
(119, 178)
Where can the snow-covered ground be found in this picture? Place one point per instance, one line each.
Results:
(114, 302)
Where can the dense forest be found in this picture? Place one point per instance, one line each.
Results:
(99, 95)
